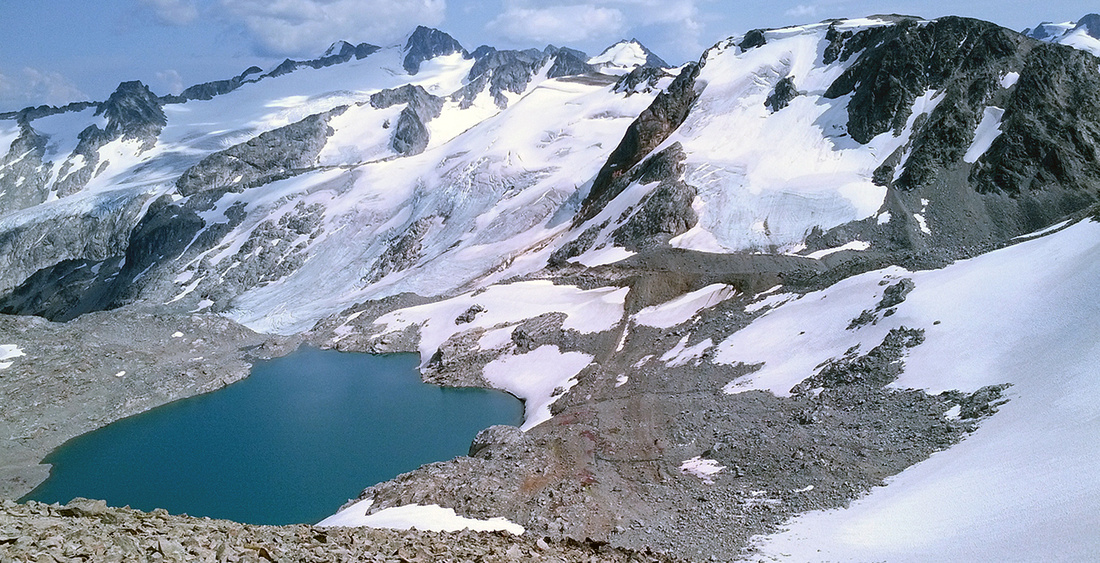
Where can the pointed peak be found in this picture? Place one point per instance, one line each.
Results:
(627, 55)
(1091, 24)
(426, 43)
(339, 48)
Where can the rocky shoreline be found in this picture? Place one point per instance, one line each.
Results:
(72, 378)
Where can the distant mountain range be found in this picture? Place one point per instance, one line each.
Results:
(730, 292)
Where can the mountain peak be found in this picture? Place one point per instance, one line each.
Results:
(626, 55)
(339, 48)
(1091, 24)
(426, 43)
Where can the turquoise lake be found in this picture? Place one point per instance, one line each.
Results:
(289, 444)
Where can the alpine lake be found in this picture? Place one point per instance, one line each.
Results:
(289, 444)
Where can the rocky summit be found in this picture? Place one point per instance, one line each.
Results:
(823, 293)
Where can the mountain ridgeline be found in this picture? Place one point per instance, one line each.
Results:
(728, 292)
(1042, 164)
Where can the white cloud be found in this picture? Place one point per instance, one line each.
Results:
(35, 87)
(303, 28)
(672, 26)
(173, 12)
(802, 11)
(169, 81)
(558, 24)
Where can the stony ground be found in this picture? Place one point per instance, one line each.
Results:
(89, 531)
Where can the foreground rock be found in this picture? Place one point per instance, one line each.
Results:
(88, 530)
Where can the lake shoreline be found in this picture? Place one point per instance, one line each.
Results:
(315, 425)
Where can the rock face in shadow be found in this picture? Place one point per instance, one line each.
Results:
(650, 129)
(207, 90)
(782, 94)
(1042, 164)
(425, 44)
(25, 179)
(666, 212)
(512, 71)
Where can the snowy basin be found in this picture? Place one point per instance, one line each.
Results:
(289, 444)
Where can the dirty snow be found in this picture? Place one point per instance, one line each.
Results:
(704, 469)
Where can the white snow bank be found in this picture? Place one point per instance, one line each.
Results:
(8, 352)
(1023, 487)
(538, 377)
(683, 308)
(682, 354)
(988, 130)
(431, 517)
(586, 311)
(704, 469)
(854, 245)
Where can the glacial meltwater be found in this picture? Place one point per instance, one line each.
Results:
(289, 444)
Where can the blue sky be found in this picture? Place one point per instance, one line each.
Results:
(57, 51)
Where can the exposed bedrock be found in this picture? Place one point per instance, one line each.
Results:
(272, 155)
(649, 130)
(410, 134)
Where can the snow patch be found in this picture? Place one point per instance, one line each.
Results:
(9, 352)
(685, 307)
(431, 517)
(538, 377)
(704, 469)
(854, 245)
(922, 223)
(988, 130)
(586, 311)
(682, 354)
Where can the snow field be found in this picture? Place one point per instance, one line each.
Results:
(766, 178)
(1023, 487)
(621, 57)
(498, 183)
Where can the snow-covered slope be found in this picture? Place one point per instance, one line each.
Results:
(1083, 34)
(624, 57)
(481, 195)
(1023, 486)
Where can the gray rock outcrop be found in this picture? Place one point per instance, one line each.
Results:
(279, 153)
(425, 44)
(410, 133)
